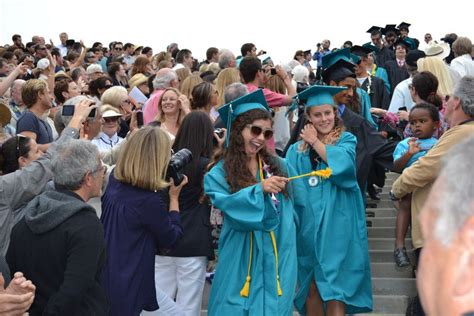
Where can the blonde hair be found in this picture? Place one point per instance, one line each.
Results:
(276, 84)
(108, 107)
(189, 83)
(145, 169)
(225, 78)
(161, 56)
(183, 73)
(114, 96)
(214, 67)
(160, 117)
(438, 68)
(30, 90)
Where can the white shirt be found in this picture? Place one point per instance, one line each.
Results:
(464, 65)
(62, 49)
(401, 97)
(105, 143)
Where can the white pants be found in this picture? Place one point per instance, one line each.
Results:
(180, 279)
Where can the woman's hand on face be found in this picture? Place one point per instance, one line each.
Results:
(274, 184)
(309, 134)
(184, 104)
(175, 190)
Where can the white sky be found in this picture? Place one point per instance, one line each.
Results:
(279, 27)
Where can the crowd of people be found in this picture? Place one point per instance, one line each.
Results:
(251, 175)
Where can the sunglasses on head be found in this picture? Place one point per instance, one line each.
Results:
(257, 130)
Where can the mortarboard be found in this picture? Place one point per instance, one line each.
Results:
(373, 48)
(229, 112)
(390, 28)
(360, 51)
(403, 25)
(374, 29)
(403, 42)
(319, 95)
(341, 69)
(330, 59)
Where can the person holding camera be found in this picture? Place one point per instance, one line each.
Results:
(181, 271)
(136, 220)
(256, 273)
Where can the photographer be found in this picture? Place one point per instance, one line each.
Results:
(136, 219)
(181, 272)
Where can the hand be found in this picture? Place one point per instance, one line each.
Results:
(52, 61)
(274, 184)
(379, 112)
(20, 285)
(221, 140)
(81, 83)
(413, 146)
(281, 72)
(51, 42)
(184, 104)
(82, 110)
(82, 44)
(21, 69)
(14, 304)
(309, 134)
(175, 190)
(402, 115)
(134, 123)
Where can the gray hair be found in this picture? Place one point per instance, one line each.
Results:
(225, 57)
(300, 73)
(73, 101)
(234, 91)
(163, 80)
(464, 90)
(72, 159)
(457, 202)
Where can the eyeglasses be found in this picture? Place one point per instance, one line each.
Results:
(127, 101)
(257, 130)
(99, 168)
(118, 48)
(108, 86)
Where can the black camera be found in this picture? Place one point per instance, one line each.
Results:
(220, 133)
(68, 110)
(176, 166)
(273, 71)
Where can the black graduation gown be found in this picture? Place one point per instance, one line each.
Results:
(384, 55)
(396, 74)
(379, 97)
(372, 149)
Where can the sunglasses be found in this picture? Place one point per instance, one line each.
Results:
(108, 86)
(118, 48)
(257, 130)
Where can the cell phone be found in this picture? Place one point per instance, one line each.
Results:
(402, 108)
(68, 110)
(139, 119)
(273, 71)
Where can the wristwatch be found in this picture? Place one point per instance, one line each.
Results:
(392, 196)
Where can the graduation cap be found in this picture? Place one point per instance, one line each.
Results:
(330, 59)
(319, 95)
(360, 51)
(403, 26)
(338, 71)
(373, 48)
(402, 42)
(390, 28)
(375, 29)
(355, 59)
(229, 112)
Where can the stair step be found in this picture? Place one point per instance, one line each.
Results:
(387, 256)
(381, 212)
(387, 243)
(382, 221)
(381, 232)
(382, 203)
(390, 270)
(394, 286)
(389, 305)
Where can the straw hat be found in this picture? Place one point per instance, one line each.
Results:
(439, 50)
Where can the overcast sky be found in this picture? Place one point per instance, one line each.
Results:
(279, 27)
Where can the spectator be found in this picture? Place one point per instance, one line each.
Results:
(225, 78)
(184, 59)
(226, 59)
(94, 71)
(142, 65)
(63, 37)
(16, 104)
(463, 63)
(98, 86)
(172, 108)
(59, 243)
(118, 74)
(119, 99)
(136, 219)
(108, 138)
(322, 50)
(165, 78)
(204, 97)
(187, 85)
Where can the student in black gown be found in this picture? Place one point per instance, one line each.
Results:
(397, 69)
(385, 52)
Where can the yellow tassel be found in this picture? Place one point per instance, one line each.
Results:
(245, 290)
(280, 292)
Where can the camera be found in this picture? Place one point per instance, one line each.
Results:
(220, 133)
(273, 71)
(177, 163)
(68, 110)
(139, 119)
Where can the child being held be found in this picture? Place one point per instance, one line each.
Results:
(424, 121)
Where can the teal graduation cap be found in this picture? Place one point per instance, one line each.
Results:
(229, 112)
(319, 95)
(330, 59)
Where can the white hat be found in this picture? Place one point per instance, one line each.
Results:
(111, 113)
(43, 63)
(94, 68)
(439, 50)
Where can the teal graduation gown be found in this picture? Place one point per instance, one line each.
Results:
(245, 211)
(332, 235)
(382, 74)
(365, 106)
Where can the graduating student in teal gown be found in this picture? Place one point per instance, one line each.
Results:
(333, 258)
(256, 273)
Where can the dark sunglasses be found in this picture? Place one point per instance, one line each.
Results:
(118, 48)
(257, 130)
(108, 86)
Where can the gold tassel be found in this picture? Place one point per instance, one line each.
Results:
(245, 290)
(280, 292)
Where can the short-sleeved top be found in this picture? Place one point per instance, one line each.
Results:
(273, 99)
(402, 149)
(29, 122)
